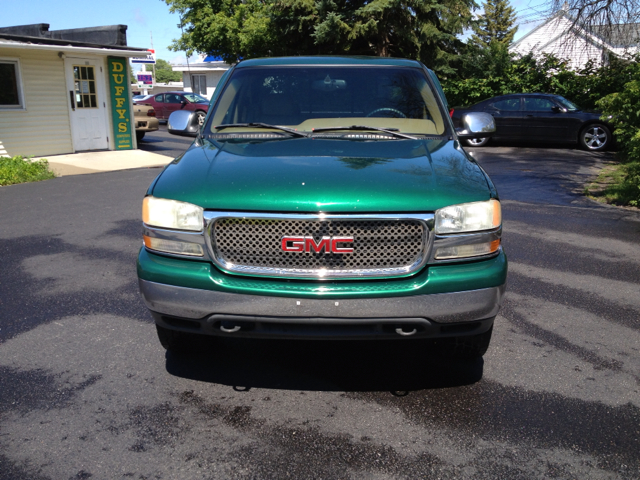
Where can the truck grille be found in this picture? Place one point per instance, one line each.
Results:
(381, 246)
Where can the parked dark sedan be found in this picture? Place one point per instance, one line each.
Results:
(540, 117)
(168, 102)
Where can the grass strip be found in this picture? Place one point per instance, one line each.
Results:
(617, 184)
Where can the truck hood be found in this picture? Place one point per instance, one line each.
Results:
(324, 175)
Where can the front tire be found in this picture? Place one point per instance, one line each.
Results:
(595, 137)
(201, 116)
(469, 347)
(477, 142)
(178, 342)
(139, 135)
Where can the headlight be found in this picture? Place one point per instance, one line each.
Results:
(469, 217)
(159, 212)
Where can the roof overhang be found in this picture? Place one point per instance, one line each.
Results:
(202, 67)
(104, 51)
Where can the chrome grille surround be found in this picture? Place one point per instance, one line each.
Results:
(236, 247)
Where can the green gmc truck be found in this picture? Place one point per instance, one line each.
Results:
(325, 198)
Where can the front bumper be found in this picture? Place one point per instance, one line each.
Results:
(241, 315)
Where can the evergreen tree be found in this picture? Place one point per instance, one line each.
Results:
(495, 25)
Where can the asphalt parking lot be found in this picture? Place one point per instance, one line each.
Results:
(86, 390)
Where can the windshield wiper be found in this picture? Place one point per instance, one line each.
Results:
(390, 131)
(293, 132)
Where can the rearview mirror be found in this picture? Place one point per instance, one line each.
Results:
(184, 123)
(476, 125)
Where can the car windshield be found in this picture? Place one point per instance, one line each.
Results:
(317, 97)
(570, 106)
(195, 98)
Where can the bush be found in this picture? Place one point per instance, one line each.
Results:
(491, 73)
(622, 110)
(20, 170)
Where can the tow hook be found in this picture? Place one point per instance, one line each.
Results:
(405, 332)
(230, 329)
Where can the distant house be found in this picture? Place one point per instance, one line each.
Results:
(559, 36)
(64, 91)
(203, 76)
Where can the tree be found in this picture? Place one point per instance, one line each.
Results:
(426, 30)
(164, 73)
(496, 24)
(617, 21)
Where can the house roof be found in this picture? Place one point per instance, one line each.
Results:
(622, 35)
(618, 35)
(201, 67)
(110, 37)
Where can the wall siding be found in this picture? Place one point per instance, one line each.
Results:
(43, 128)
(213, 77)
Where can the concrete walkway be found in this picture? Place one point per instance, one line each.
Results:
(105, 161)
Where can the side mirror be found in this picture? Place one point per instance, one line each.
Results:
(557, 109)
(476, 125)
(184, 123)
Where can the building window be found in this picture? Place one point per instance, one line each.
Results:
(10, 87)
(85, 85)
(199, 84)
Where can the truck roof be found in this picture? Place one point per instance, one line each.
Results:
(330, 60)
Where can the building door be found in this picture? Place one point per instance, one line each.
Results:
(87, 103)
(199, 84)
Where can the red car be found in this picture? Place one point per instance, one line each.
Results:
(168, 102)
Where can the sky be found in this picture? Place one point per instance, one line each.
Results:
(151, 19)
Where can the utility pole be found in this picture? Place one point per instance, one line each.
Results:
(154, 65)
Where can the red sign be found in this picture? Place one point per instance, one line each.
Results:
(307, 244)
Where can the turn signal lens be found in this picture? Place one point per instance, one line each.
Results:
(171, 246)
(463, 251)
(159, 212)
(469, 217)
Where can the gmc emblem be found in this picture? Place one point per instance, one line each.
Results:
(308, 244)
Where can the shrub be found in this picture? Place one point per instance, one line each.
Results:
(622, 109)
(20, 170)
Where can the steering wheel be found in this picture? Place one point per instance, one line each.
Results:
(398, 113)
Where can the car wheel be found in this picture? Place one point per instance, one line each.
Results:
(178, 342)
(201, 116)
(469, 347)
(595, 137)
(139, 135)
(477, 142)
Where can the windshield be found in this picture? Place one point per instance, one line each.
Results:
(195, 98)
(570, 106)
(315, 97)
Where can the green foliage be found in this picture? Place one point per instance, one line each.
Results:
(495, 25)
(623, 108)
(233, 29)
(20, 170)
(491, 71)
(164, 73)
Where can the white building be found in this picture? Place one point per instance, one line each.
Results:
(203, 76)
(65, 91)
(559, 36)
